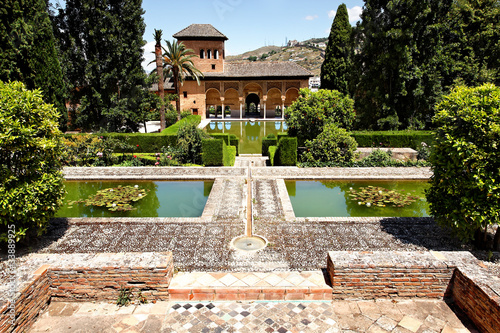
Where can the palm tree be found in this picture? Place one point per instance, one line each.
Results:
(177, 60)
(159, 70)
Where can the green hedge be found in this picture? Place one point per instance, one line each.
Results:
(215, 152)
(282, 135)
(229, 139)
(268, 141)
(286, 153)
(272, 154)
(229, 155)
(235, 142)
(212, 151)
(195, 119)
(394, 139)
(144, 142)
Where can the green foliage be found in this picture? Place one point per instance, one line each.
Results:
(101, 49)
(229, 155)
(189, 143)
(272, 154)
(235, 142)
(313, 110)
(115, 199)
(29, 52)
(212, 153)
(31, 188)
(125, 297)
(270, 140)
(173, 129)
(337, 67)
(393, 139)
(282, 135)
(465, 190)
(252, 58)
(92, 150)
(185, 113)
(334, 144)
(286, 153)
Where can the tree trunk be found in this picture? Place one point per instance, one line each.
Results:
(177, 89)
(496, 240)
(161, 91)
(145, 129)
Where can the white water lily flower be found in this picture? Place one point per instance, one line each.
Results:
(136, 186)
(368, 204)
(140, 195)
(350, 188)
(114, 205)
(360, 203)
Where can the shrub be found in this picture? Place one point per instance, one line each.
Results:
(170, 115)
(185, 113)
(282, 135)
(334, 144)
(92, 150)
(212, 151)
(173, 129)
(307, 116)
(270, 140)
(286, 154)
(235, 142)
(32, 187)
(272, 154)
(394, 139)
(189, 143)
(465, 190)
(229, 155)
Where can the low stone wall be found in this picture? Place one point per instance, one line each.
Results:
(480, 303)
(370, 275)
(387, 274)
(84, 277)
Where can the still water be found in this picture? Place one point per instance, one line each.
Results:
(164, 199)
(249, 133)
(331, 198)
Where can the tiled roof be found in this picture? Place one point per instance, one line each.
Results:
(168, 85)
(200, 31)
(261, 69)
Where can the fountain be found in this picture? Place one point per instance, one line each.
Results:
(249, 242)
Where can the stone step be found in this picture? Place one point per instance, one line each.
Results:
(226, 286)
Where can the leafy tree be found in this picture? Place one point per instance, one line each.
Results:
(177, 61)
(337, 67)
(307, 116)
(29, 51)
(465, 189)
(101, 45)
(189, 143)
(31, 187)
(401, 60)
(333, 144)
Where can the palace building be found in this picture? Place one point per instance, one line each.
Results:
(249, 89)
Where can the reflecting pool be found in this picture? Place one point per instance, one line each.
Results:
(249, 133)
(165, 199)
(331, 199)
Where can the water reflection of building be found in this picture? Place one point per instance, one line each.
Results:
(249, 89)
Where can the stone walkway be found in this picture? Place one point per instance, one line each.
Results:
(403, 316)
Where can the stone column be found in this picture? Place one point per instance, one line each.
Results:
(264, 99)
(241, 107)
(283, 107)
(223, 111)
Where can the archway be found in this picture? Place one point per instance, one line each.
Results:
(252, 105)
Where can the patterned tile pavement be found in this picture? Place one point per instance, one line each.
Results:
(404, 316)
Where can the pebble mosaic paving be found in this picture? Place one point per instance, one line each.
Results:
(405, 316)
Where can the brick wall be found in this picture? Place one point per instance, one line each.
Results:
(373, 275)
(86, 277)
(482, 305)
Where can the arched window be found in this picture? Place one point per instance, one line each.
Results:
(202, 54)
(209, 54)
(216, 54)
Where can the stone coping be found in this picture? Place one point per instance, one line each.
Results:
(206, 173)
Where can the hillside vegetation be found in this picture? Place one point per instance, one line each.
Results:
(309, 57)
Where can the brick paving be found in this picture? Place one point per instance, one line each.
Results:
(403, 316)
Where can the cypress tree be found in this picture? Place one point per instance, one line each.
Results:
(101, 42)
(29, 51)
(336, 68)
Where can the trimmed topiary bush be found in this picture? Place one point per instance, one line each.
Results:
(212, 152)
(267, 141)
(229, 155)
(286, 153)
(465, 186)
(31, 188)
(235, 142)
(272, 154)
(334, 144)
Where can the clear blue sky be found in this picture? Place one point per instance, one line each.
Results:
(247, 24)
